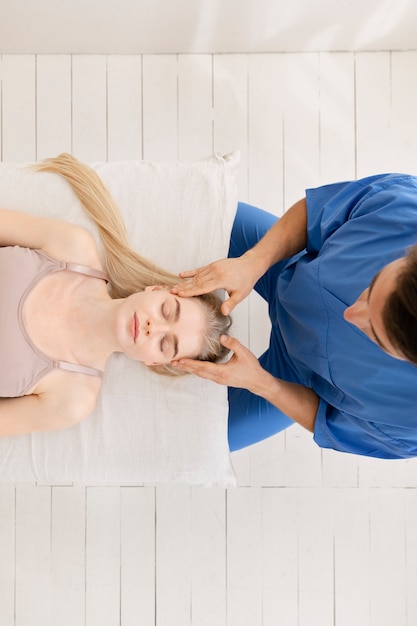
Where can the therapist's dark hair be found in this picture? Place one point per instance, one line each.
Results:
(400, 311)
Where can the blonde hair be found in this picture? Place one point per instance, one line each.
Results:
(128, 271)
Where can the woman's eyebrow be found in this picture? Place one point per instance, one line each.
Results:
(177, 310)
(175, 339)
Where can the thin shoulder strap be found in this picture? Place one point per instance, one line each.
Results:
(88, 271)
(80, 369)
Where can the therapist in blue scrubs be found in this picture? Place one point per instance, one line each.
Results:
(335, 270)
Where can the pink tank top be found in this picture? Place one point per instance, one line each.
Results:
(22, 365)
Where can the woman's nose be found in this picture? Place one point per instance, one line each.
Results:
(152, 327)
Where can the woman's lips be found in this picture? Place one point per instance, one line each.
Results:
(135, 327)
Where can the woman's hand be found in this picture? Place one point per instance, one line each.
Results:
(242, 370)
(236, 276)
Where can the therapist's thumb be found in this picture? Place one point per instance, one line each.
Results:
(228, 306)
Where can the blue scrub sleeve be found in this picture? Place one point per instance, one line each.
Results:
(331, 206)
(339, 431)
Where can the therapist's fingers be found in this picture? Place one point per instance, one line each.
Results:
(227, 274)
(190, 273)
(239, 371)
(203, 369)
(199, 281)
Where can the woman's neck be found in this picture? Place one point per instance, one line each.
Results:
(70, 317)
(91, 326)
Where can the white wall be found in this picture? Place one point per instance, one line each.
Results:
(187, 26)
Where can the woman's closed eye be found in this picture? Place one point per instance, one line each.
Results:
(171, 309)
(164, 344)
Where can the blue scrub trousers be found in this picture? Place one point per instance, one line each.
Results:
(252, 418)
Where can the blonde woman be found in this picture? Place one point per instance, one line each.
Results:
(62, 314)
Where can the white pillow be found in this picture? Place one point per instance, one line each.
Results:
(145, 428)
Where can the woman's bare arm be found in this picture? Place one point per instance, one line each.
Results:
(47, 411)
(57, 237)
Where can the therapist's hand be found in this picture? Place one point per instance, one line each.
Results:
(236, 276)
(242, 370)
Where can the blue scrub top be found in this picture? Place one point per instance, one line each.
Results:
(368, 399)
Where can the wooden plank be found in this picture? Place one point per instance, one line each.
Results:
(301, 87)
(160, 108)
(68, 555)
(299, 445)
(266, 132)
(137, 556)
(267, 462)
(53, 105)
(244, 557)
(103, 556)
(279, 557)
(337, 117)
(89, 107)
(374, 472)
(124, 107)
(410, 496)
(230, 100)
(7, 551)
(195, 106)
(352, 569)
(173, 555)
(18, 108)
(315, 557)
(339, 470)
(387, 558)
(208, 510)
(373, 113)
(33, 555)
(404, 103)
(241, 460)
(405, 473)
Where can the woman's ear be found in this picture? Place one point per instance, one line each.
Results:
(155, 287)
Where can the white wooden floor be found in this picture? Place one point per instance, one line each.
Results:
(309, 538)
